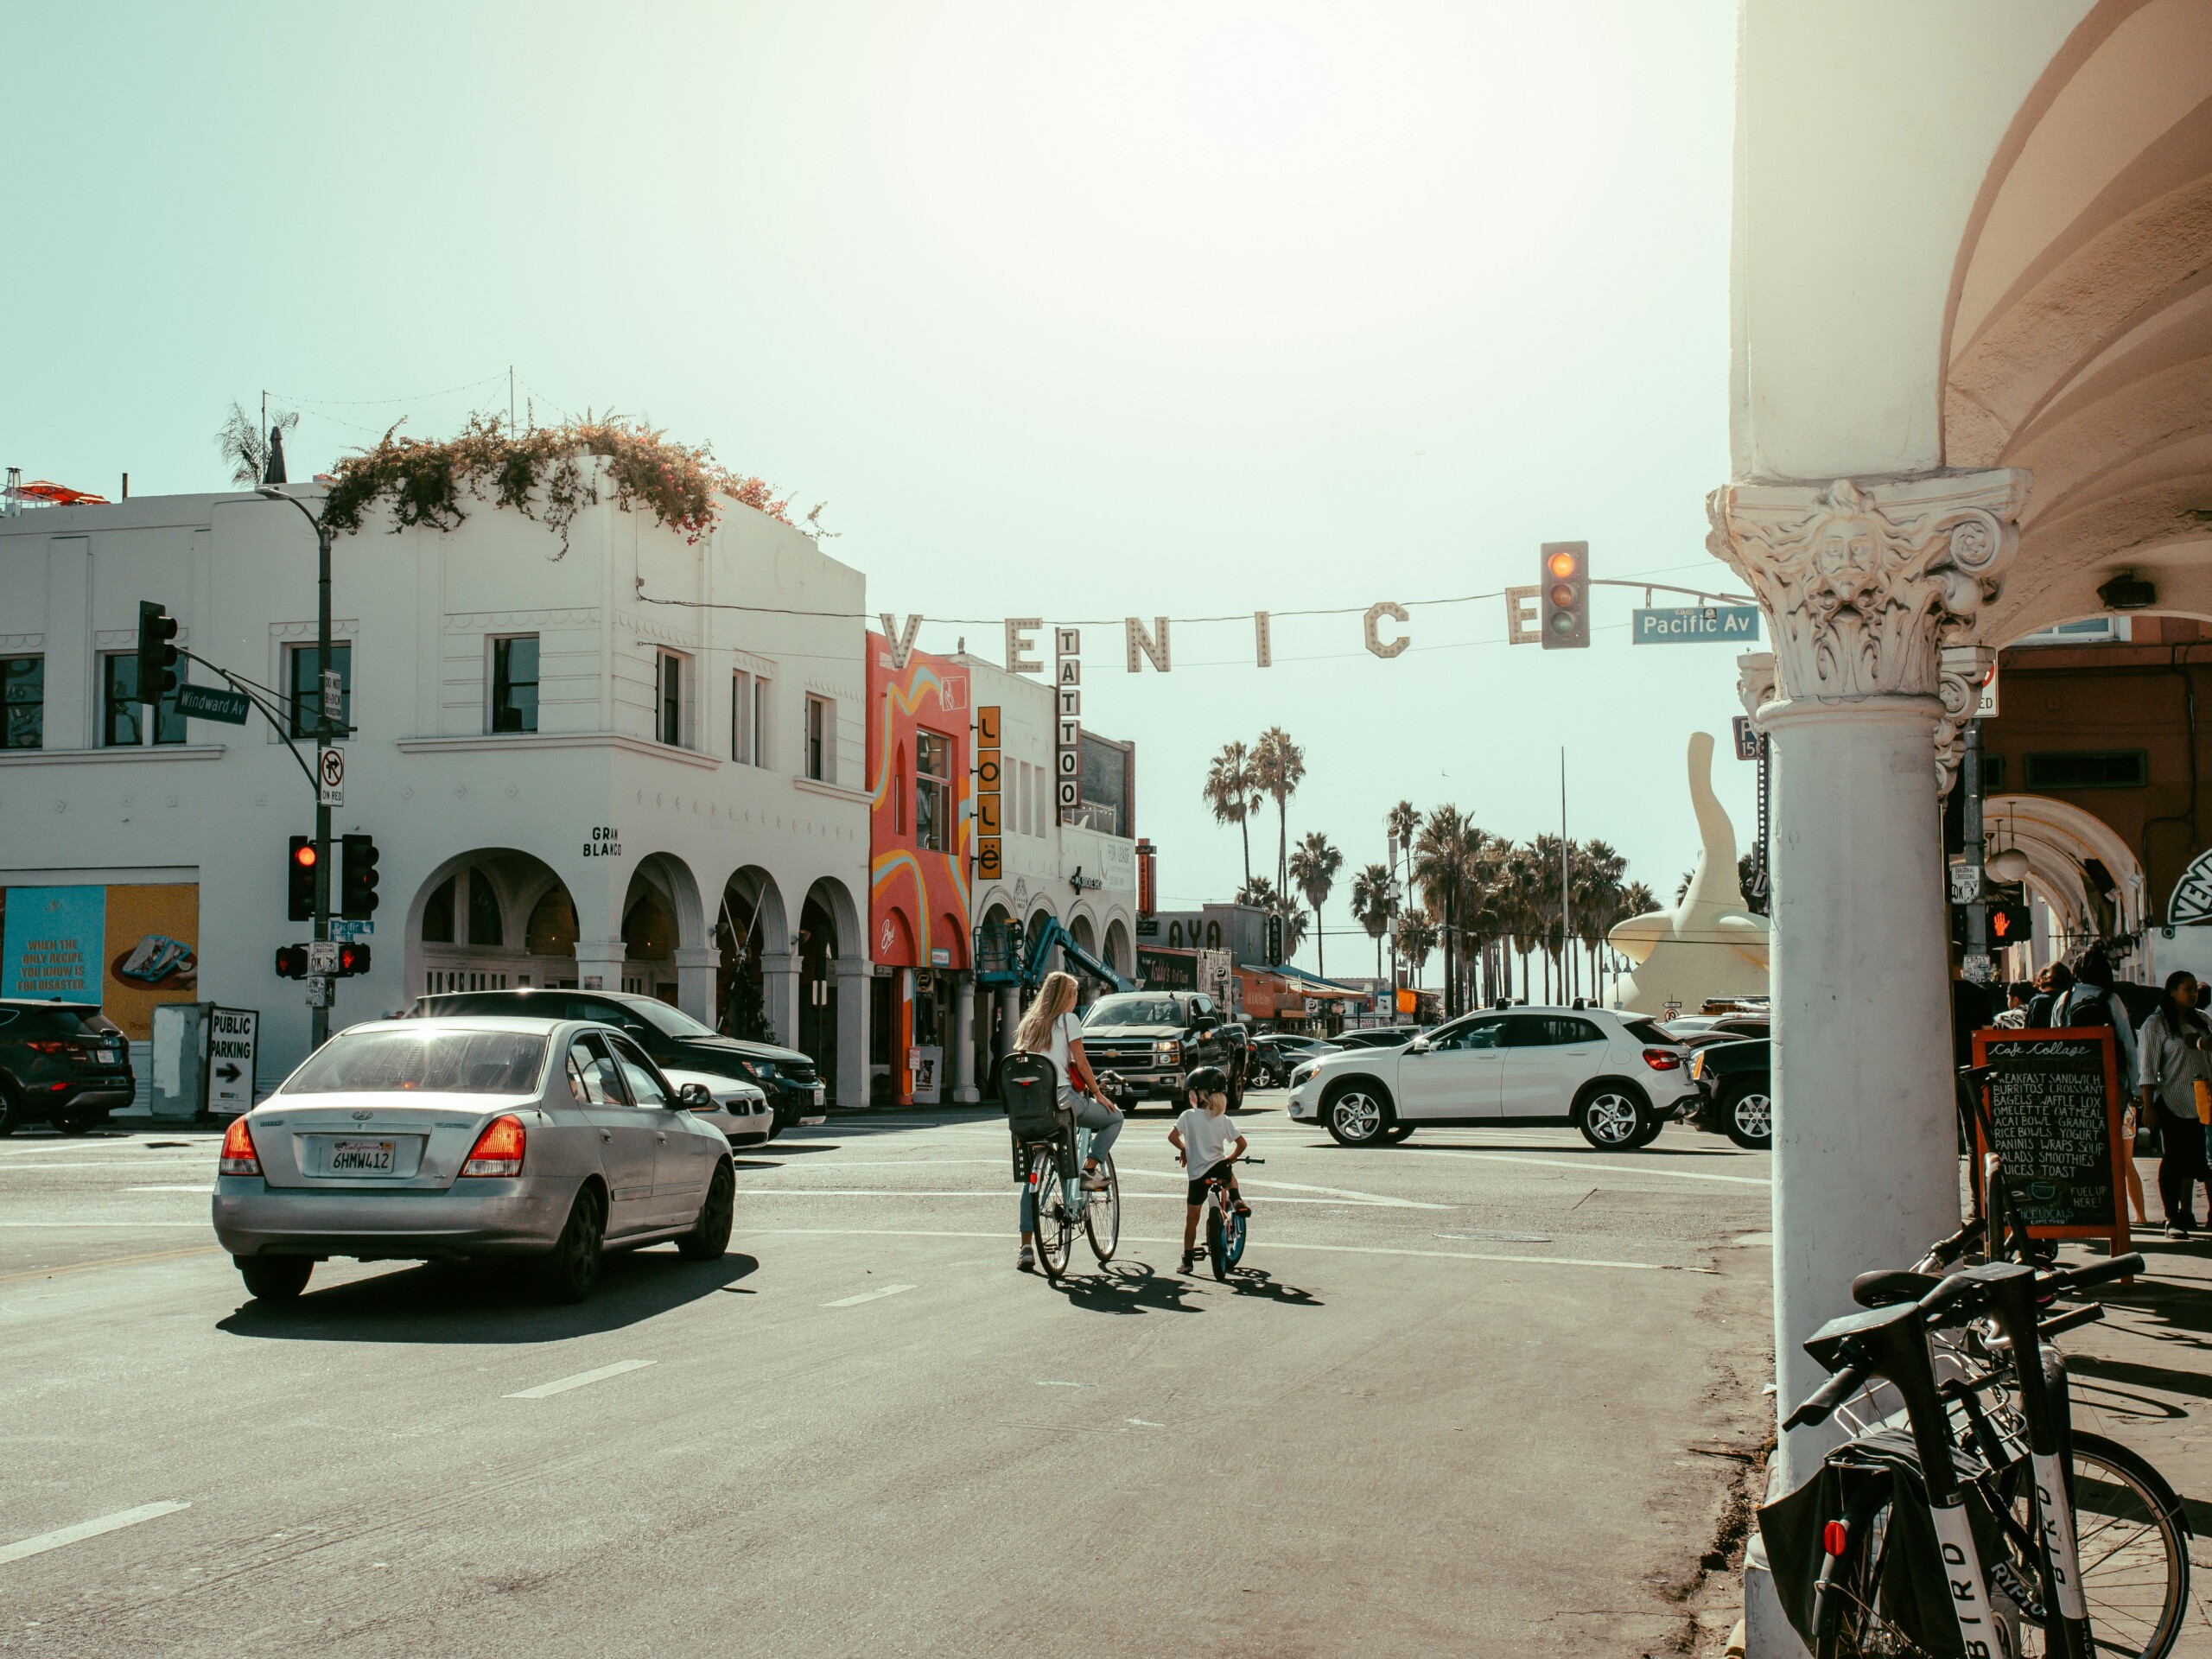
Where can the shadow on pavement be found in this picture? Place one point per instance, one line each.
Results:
(1265, 1286)
(487, 1302)
(1127, 1288)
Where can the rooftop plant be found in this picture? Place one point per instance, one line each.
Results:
(536, 471)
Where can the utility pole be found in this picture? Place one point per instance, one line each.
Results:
(319, 1012)
(1977, 966)
(1566, 921)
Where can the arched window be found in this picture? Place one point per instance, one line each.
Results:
(437, 914)
(485, 926)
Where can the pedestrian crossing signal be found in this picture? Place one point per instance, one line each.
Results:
(2008, 923)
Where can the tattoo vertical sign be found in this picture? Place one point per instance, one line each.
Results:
(1067, 690)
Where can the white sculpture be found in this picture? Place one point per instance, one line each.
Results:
(1709, 944)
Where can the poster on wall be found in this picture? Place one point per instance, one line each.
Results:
(125, 947)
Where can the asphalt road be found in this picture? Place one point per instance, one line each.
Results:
(1475, 1395)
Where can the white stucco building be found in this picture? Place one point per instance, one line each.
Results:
(1972, 385)
(574, 774)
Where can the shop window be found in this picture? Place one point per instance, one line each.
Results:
(820, 739)
(933, 791)
(668, 699)
(2088, 769)
(437, 914)
(306, 689)
(22, 695)
(514, 683)
(485, 926)
(122, 716)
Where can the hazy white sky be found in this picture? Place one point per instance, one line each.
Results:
(1073, 312)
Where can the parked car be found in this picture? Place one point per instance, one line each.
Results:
(739, 1109)
(1143, 1044)
(1376, 1037)
(1735, 1093)
(1697, 1030)
(670, 1035)
(1242, 1052)
(64, 1063)
(1617, 1077)
(444, 1137)
(1278, 1054)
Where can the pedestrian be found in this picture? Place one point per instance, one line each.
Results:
(2052, 986)
(2093, 1001)
(2015, 1017)
(1049, 1028)
(1970, 1009)
(2176, 1056)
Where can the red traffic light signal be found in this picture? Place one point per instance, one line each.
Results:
(299, 878)
(2009, 924)
(1563, 622)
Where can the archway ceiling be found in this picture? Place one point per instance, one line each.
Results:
(2080, 341)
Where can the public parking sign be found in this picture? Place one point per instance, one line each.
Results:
(234, 1042)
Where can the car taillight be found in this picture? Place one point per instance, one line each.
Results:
(1834, 1536)
(498, 1151)
(1661, 1059)
(238, 1155)
(48, 1046)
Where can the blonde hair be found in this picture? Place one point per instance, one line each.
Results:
(1057, 998)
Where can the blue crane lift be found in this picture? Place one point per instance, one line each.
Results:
(1006, 956)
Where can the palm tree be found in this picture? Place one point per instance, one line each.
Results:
(1443, 854)
(1278, 768)
(1373, 890)
(1229, 790)
(245, 446)
(1261, 892)
(1416, 938)
(1398, 824)
(1315, 867)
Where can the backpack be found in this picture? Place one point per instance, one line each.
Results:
(1029, 1093)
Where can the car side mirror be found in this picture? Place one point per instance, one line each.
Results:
(1419, 1046)
(697, 1096)
(1204, 1022)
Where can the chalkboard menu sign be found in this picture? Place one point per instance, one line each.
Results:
(2054, 1119)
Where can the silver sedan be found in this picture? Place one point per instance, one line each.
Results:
(422, 1139)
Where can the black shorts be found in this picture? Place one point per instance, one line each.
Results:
(1226, 1168)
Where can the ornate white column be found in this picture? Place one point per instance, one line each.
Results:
(962, 1053)
(697, 969)
(1864, 585)
(852, 975)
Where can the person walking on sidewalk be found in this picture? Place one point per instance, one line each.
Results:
(2093, 1001)
(2174, 1057)
(2052, 986)
(1050, 1028)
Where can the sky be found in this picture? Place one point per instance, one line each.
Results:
(1072, 312)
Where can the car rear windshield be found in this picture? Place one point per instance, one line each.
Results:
(1110, 1011)
(76, 1022)
(1650, 1031)
(424, 1062)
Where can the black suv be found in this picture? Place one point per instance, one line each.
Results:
(673, 1038)
(1151, 1040)
(1735, 1093)
(63, 1062)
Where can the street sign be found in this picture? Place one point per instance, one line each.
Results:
(333, 696)
(318, 992)
(1747, 740)
(1985, 706)
(322, 956)
(1679, 625)
(1979, 968)
(233, 1037)
(351, 932)
(213, 703)
(330, 777)
(1965, 883)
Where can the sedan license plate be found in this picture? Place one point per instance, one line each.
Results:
(361, 1158)
(818, 1094)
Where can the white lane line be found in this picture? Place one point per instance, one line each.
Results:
(149, 1226)
(84, 1529)
(1271, 1244)
(1345, 1192)
(1584, 1163)
(111, 1165)
(875, 1295)
(1011, 1190)
(169, 1188)
(581, 1380)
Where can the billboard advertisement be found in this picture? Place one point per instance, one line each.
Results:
(126, 947)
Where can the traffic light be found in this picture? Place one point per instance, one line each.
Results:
(299, 880)
(2008, 922)
(352, 959)
(1274, 939)
(1563, 601)
(357, 877)
(156, 654)
(291, 962)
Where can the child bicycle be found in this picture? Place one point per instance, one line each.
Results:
(1225, 1223)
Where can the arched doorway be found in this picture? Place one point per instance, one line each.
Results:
(749, 929)
(1119, 957)
(661, 916)
(492, 919)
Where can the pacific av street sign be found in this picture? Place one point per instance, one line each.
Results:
(213, 703)
(1680, 625)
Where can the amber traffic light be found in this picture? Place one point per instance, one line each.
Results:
(1563, 622)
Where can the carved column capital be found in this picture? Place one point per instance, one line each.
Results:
(1754, 682)
(1958, 680)
(1865, 583)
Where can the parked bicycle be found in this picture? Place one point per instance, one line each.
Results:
(1982, 1523)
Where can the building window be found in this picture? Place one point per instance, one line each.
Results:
(307, 691)
(820, 739)
(933, 791)
(2088, 769)
(740, 718)
(23, 687)
(514, 683)
(1044, 778)
(437, 914)
(1022, 798)
(122, 716)
(668, 699)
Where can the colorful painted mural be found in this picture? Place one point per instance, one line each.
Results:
(921, 821)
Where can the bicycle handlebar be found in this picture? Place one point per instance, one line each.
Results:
(1830, 1394)
(2097, 1273)
(2068, 1320)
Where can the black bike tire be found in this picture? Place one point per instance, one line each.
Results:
(1234, 1229)
(2149, 1484)
(1055, 1232)
(1216, 1244)
(1859, 1565)
(1108, 1204)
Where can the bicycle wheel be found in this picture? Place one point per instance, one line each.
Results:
(1102, 1214)
(1055, 1226)
(2134, 1558)
(1216, 1247)
(1855, 1616)
(1233, 1239)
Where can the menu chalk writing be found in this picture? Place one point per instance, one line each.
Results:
(2053, 1121)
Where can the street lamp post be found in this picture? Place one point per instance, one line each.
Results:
(319, 1011)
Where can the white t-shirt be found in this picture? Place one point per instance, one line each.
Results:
(1206, 1139)
(1066, 1030)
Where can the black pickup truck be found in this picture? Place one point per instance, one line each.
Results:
(1735, 1093)
(1143, 1044)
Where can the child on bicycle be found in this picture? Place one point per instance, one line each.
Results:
(1202, 1138)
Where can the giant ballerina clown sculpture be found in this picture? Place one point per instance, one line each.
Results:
(1709, 944)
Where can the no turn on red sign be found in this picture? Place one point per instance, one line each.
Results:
(330, 777)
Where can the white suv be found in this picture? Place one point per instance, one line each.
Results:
(1616, 1076)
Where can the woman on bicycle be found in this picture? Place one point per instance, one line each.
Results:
(1049, 1028)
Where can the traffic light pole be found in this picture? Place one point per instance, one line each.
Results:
(318, 1012)
(1977, 962)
